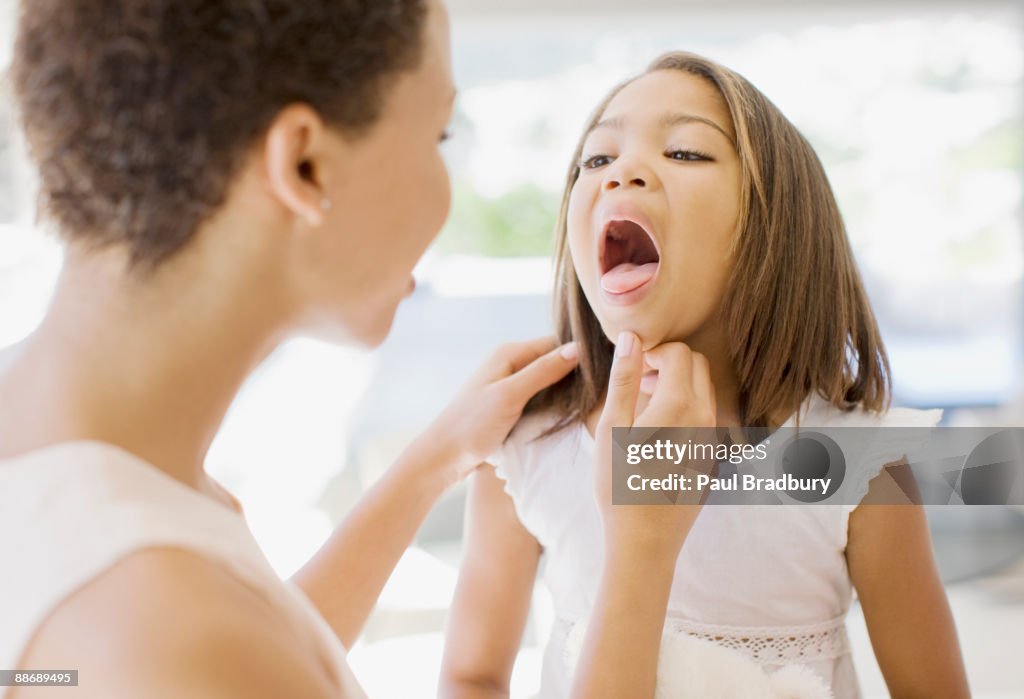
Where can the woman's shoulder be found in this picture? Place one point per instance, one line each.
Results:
(73, 511)
(204, 612)
(88, 492)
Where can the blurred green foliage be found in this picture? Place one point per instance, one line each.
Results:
(1001, 147)
(519, 223)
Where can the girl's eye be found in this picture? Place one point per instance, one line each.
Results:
(687, 155)
(595, 161)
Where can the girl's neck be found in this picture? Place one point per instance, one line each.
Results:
(713, 345)
(725, 417)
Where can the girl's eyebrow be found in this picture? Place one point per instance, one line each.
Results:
(667, 121)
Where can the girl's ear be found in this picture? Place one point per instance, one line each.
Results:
(294, 160)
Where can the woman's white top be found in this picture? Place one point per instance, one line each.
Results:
(71, 511)
(769, 582)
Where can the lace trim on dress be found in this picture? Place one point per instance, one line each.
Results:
(773, 645)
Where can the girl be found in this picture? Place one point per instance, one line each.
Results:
(694, 212)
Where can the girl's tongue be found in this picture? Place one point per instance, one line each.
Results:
(627, 276)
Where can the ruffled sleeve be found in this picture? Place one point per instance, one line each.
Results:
(891, 446)
(524, 463)
(515, 461)
(507, 466)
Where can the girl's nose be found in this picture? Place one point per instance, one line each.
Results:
(627, 172)
(616, 182)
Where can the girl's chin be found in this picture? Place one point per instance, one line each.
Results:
(649, 337)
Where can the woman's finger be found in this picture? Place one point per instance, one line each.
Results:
(623, 383)
(509, 358)
(542, 372)
(513, 356)
(521, 354)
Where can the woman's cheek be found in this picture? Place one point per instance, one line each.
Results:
(439, 195)
(445, 185)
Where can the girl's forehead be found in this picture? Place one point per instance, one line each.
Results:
(653, 98)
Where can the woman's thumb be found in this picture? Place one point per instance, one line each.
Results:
(624, 382)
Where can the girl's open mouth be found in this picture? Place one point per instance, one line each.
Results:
(629, 257)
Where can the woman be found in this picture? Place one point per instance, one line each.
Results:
(226, 175)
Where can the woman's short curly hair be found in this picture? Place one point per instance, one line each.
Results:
(138, 113)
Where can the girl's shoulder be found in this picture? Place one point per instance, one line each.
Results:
(878, 440)
(532, 447)
(535, 425)
(817, 412)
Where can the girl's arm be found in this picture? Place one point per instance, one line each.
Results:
(889, 554)
(642, 542)
(620, 657)
(488, 613)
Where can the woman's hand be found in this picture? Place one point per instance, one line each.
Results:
(682, 396)
(481, 415)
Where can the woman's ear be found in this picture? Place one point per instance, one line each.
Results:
(294, 161)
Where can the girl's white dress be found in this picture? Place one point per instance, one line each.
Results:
(71, 511)
(768, 582)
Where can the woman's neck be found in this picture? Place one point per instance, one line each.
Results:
(151, 366)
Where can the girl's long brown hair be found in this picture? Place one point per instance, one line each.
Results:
(797, 317)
